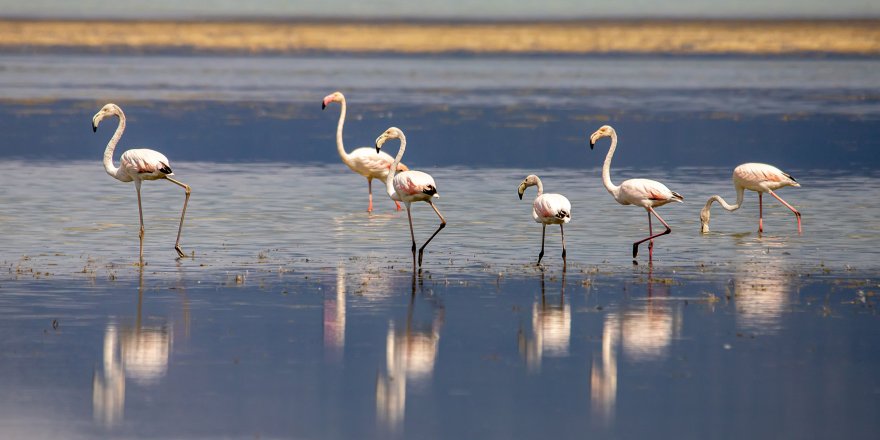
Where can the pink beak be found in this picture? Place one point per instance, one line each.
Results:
(327, 100)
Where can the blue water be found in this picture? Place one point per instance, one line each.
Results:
(298, 314)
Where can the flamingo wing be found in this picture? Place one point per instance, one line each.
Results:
(411, 183)
(143, 161)
(645, 191)
(552, 207)
(761, 172)
(368, 162)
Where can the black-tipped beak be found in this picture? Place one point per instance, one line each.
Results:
(323, 105)
(94, 128)
(378, 149)
(592, 144)
(520, 195)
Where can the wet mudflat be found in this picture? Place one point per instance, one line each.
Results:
(297, 314)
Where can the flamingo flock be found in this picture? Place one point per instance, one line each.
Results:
(408, 186)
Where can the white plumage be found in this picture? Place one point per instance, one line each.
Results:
(547, 209)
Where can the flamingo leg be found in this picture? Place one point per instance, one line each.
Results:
(442, 225)
(562, 232)
(760, 212)
(650, 243)
(543, 233)
(795, 211)
(370, 190)
(187, 189)
(137, 186)
(653, 236)
(412, 234)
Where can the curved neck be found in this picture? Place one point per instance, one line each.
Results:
(540, 186)
(340, 148)
(389, 186)
(606, 168)
(716, 198)
(111, 146)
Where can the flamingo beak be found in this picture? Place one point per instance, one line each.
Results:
(323, 105)
(592, 144)
(521, 190)
(94, 128)
(379, 142)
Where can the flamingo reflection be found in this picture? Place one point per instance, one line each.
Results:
(334, 318)
(410, 355)
(643, 331)
(136, 351)
(762, 294)
(551, 329)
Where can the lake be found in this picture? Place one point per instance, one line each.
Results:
(298, 314)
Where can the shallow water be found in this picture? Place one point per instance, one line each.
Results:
(297, 314)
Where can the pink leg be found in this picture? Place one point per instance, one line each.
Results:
(650, 243)
(370, 188)
(651, 237)
(760, 212)
(795, 211)
(397, 204)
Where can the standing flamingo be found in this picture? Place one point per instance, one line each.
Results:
(362, 160)
(409, 186)
(547, 209)
(640, 192)
(138, 165)
(758, 177)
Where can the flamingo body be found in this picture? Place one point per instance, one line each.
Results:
(364, 160)
(759, 177)
(136, 166)
(409, 187)
(547, 209)
(646, 193)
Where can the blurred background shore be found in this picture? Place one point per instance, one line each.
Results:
(655, 36)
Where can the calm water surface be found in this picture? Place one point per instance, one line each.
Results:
(298, 315)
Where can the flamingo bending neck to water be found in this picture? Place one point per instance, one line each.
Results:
(640, 192)
(547, 209)
(409, 186)
(758, 177)
(136, 166)
(363, 160)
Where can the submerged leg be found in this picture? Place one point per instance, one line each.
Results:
(650, 243)
(442, 225)
(182, 214)
(543, 233)
(137, 186)
(760, 212)
(412, 234)
(562, 232)
(795, 211)
(651, 237)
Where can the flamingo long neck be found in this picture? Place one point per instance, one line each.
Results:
(389, 185)
(606, 168)
(716, 198)
(340, 148)
(540, 186)
(111, 146)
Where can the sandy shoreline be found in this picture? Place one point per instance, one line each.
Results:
(628, 37)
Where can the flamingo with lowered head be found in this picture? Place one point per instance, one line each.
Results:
(136, 166)
(362, 160)
(409, 186)
(547, 209)
(758, 177)
(646, 193)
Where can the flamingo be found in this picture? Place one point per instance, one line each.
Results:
(409, 186)
(646, 193)
(136, 166)
(758, 177)
(547, 209)
(361, 160)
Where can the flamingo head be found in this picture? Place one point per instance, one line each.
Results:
(108, 110)
(391, 133)
(333, 97)
(704, 220)
(530, 180)
(603, 131)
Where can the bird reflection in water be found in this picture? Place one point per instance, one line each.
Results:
(132, 350)
(643, 331)
(762, 288)
(410, 355)
(551, 329)
(334, 319)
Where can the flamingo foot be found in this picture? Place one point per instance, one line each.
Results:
(563, 256)
(798, 215)
(421, 252)
(397, 204)
(540, 256)
(179, 251)
(635, 250)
